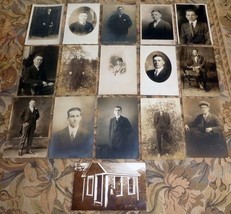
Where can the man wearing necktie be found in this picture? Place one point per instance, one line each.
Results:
(204, 136)
(194, 31)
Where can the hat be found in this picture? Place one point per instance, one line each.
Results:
(204, 103)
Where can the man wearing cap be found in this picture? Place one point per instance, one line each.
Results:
(204, 134)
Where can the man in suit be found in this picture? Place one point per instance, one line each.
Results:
(82, 26)
(197, 64)
(35, 76)
(158, 29)
(204, 134)
(193, 31)
(73, 141)
(29, 116)
(162, 124)
(161, 72)
(119, 131)
(119, 23)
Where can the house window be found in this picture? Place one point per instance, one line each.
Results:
(118, 186)
(90, 180)
(131, 186)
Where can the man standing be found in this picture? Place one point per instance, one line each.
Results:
(193, 31)
(162, 124)
(73, 141)
(119, 23)
(161, 72)
(119, 131)
(158, 29)
(29, 116)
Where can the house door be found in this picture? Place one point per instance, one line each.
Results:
(98, 197)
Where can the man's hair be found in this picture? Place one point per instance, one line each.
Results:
(73, 109)
(194, 49)
(38, 54)
(120, 7)
(156, 11)
(191, 10)
(119, 107)
(119, 59)
(159, 55)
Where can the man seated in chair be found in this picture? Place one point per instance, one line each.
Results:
(36, 78)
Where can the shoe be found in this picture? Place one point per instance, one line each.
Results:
(30, 152)
(20, 153)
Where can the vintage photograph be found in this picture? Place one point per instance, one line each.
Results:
(162, 130)
(156, 24)
(158, 72)
(45, 25)
(118, 71)
(117, 128)
(29, 128)
(204, 127)
(78, 71)
(198, 71)
(73, 127)
(119, 24)
(193, 24)
(109, 186)
(38, 73)
(82, 24)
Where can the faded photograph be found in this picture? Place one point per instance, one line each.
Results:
(117, 128)
(45, 25)
(109, 186)
(73, 137)
(29, 128)
(78, 71)
(162, 131)
(204, 128)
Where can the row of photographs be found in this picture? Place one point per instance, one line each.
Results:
(82, 25)
(109, 127)
(77, 70)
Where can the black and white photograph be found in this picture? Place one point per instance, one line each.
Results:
(74, 136)
(193, 24)
(198, 71)
(117, 128)
(78, 71)
(119, 24)
(162, 130)
(45, 24)
(38, 72)
(29, 128)
(109, 186)
(204, 127)
(82, 24)
(118, 70)
(158, 71)
(156, 24)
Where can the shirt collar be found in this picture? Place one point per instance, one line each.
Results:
(73, 130)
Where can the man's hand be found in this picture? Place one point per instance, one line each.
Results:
(208, 129)
(187, 129)
(50, 83)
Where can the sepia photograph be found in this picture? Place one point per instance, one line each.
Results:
(193, 24)
(78, 71)
(74, 136)
(82, 24)
(119, 24)
(118, 70)
(38, 73)
(158, 72)
(198, 71)
(29, 128)
(109, 186)
(204, 127)
(162, 132)
(45, 25)
(156, 24)
(117, 128)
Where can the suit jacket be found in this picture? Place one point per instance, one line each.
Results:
(81, 29)
(61, 145)
(163, 75)
(199, 63)
(201, 34)
(119, 132)
(161, 121)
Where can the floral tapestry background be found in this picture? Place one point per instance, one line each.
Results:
(173, 186)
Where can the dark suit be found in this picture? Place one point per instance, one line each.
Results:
(162, 76)
(81, 29)
(163, 30)
(162, 124)
(28, 127)
(201, 34)
(206, 144)
(61, 145)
